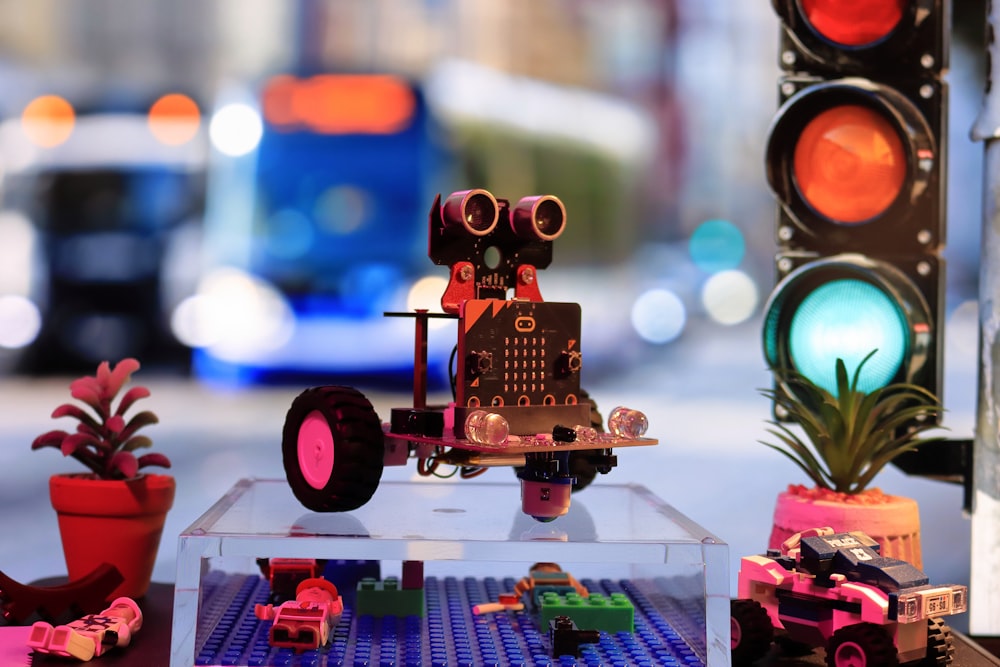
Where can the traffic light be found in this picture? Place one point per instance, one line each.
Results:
(856, 158)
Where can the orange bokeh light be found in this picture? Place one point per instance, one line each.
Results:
(850, 164)
(48, 120)
(174, 119)
(339, 103)
(276, 102)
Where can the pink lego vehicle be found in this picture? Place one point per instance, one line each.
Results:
(515, 378)
(834, 590)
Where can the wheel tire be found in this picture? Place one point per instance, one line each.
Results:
(751, 631)
(342, 435)
(940, 649)
(861, 645)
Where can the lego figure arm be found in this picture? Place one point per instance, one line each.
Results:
(264, 612)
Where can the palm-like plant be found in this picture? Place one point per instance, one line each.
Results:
(851, 435)
(104, 441)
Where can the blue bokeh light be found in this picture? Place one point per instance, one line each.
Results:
(717, 245)
(658, 316)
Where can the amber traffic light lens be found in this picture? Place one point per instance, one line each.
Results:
(853, 22)
(849, 164)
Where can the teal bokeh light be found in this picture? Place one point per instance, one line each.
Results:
(717, 245)
(847, 319)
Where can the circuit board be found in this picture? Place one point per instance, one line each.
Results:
(519, 353)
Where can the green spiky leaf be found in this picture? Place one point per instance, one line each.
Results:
(851, 436)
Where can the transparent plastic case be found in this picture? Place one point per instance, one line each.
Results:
(467, 529)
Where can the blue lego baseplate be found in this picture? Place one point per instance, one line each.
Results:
(449, 635)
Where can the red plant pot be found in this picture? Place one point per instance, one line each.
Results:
(112, 521)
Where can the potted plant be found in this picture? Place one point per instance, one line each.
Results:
(115, 512)
(849, 437)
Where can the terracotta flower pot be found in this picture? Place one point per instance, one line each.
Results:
(892, 521)
(112, 521)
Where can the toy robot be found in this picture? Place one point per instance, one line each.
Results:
(517, 395)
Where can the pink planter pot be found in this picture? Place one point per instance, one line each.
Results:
(895, 525)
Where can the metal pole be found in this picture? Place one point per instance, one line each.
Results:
(984, 599)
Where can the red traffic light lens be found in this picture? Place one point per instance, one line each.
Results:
(849, 163)
(854, 22)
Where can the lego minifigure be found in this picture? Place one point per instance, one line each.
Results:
(91, 635)
(305, 622)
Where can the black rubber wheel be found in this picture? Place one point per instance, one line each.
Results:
(940, 649)
(332, 448)
(751, 632)
(861, 645)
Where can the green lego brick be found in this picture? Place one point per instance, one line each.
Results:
(594, 612)
(387, 598)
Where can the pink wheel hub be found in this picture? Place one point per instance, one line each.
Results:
(850, 654)
(315, 448)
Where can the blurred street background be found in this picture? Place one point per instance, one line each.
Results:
(168, 192)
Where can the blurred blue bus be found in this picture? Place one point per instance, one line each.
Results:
(316, 224)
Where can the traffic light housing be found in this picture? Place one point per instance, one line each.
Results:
(856, 159)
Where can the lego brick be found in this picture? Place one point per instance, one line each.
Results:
(612, 613)
(387, 598)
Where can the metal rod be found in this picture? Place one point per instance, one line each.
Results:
(984, 603)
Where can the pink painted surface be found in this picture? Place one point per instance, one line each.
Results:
(13, 647)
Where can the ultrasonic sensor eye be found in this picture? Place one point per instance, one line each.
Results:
(475, 211)
(541, 218)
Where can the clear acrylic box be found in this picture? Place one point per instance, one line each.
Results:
(467, 529)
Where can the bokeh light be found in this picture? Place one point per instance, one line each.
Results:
(425, 294)
(289, 234)
(48, 120)
(19, 263)
(236, 129)
(20, 321)
(717, 245)
(342, 209)
(730, 297)
(236, 314)
(658, 316)
(174, 119)
(339, 103)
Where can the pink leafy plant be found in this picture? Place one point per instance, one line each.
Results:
(104, 441)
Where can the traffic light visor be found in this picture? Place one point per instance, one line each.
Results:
(854, 23)
(849, 163)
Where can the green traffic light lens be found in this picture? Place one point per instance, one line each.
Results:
(854, 22)
(847, 319)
